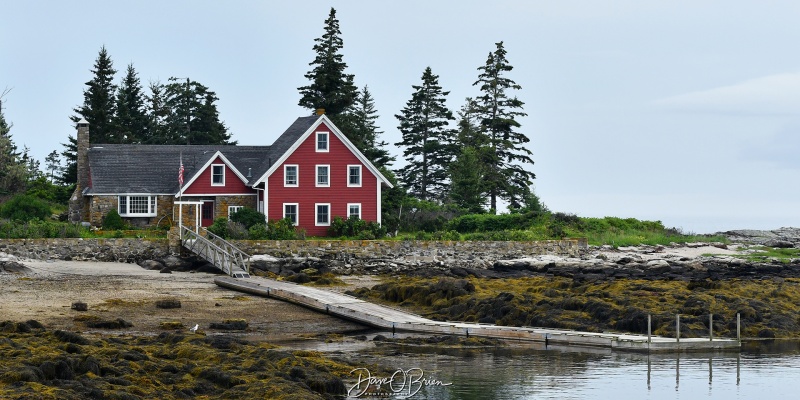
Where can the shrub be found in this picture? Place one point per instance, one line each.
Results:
(219, 227)
(357, 228)
(281, 229)
(25, 208)
(247, 217)
(258, 232)
(113, 220)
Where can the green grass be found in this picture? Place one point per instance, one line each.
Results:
(764, 253)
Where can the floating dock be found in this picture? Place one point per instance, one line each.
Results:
(390, 319)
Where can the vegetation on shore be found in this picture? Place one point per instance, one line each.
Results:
(44, 364)
(768, 307)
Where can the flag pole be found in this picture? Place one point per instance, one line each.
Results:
(180, 198)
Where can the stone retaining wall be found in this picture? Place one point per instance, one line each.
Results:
(135, 250)
(122, 250)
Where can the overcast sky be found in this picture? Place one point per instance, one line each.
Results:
(681, 111)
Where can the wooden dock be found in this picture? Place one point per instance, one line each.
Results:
(390, 319)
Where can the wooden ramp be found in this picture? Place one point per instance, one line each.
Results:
(217, 251)
(390, 319)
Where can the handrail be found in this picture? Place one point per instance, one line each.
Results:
(216, 251)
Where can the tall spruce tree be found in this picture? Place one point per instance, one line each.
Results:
(506, 176)
(99, 103)
(428, 143)
(467, 188)
(363, 130)
(130, 122)
(193, 117)
(157, 115)
(330, 88)
(13, 169)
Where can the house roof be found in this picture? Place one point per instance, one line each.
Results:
(153, 169)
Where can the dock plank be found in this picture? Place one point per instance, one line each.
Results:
(384, 317)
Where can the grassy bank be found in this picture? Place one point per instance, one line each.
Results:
(768, 308)
(43, 364)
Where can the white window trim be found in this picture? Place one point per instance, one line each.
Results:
(316, 178)
(360, 177)
(327, 142)
(297, 212)
(152, 206)
(316, 214)
(233, 209)
(353, 204)
(297, 175)
(212, 174)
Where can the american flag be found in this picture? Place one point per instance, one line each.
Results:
(180, 173)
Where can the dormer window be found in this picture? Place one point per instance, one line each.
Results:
(218, 175)
(322, 142)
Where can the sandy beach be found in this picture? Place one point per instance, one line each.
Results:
(46, 291)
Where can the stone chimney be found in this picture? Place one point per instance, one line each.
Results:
(320, 111)
(83, 153)
(78, 206)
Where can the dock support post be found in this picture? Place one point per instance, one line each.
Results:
(678, 328)
(739, 328)
(710, 327)
(648, 328)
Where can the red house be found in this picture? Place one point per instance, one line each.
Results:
(310, 174)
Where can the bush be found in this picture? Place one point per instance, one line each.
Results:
(39, 229)
(281, 229)
(490, 223)
(247, 217)
(25, 208)
(112, 221)
(356, 228)
(219, 227)
(258, 232)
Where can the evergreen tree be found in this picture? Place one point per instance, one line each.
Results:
(98, 101)
(130, 121)
(13, 170)
(157, 115)
(427, 141)
(53, 164)
(506, 176)
(69, 175)
(466, 177)
(364, 131)
(330, 88)
(193, 117)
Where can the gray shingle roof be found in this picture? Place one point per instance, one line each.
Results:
(153, 169)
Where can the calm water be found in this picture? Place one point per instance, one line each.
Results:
(761, 370)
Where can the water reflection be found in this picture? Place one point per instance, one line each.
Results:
(534, 372)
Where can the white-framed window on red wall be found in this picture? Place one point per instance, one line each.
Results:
(291, 176)
(217, 174)
(323, 175)
(354, 176)
(322, 142)
(322, 214)
(291, 211)
(354, 210)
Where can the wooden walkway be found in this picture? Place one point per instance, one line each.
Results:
(390, 319)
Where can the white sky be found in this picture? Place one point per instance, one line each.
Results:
(681, 111)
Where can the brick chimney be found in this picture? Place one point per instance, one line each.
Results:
(78, 206)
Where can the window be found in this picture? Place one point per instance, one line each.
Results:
(233, 209)
(354, 175)
(322, 175)
(354, 210)
(323, 214)
(218, 175)
(290, 211)
(137, 206)
(290, 173)
(322, 141)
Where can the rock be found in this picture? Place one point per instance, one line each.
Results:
(151, 265)
(79, 306)
(781, 244)
(168, 303)
(175, 262)
(12, 267)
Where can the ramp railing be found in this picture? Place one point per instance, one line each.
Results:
(217, 251)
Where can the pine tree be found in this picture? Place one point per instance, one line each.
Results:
(428, 143)
(130, 121)
(53, 164)
(98, 101)
(13, 170)
(193, 117)
(157, 115)
(506, 176)
(466, 177)
(69, 175)
(363, 130)
(330, 88)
